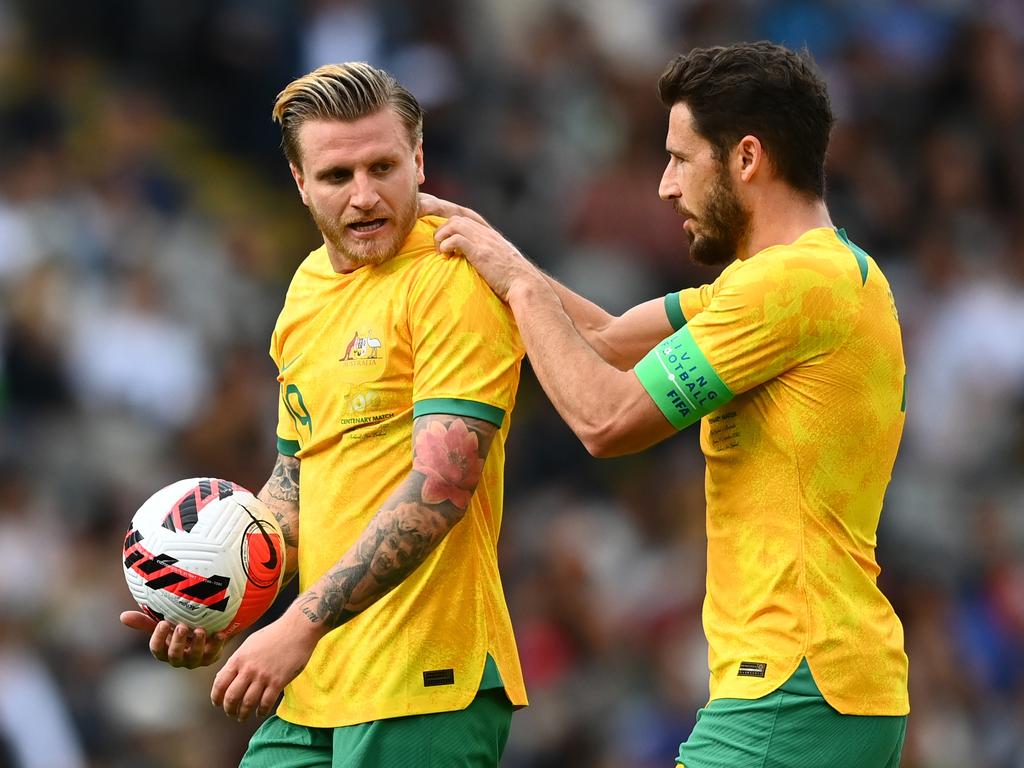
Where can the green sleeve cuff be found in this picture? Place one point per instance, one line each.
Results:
(681, 381)
(674, 311)
(453, 406)
(287, 447)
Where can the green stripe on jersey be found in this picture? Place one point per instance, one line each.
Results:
(453, 406)
(287, 447)
(674, 311)
(681, 381)
(859, 253)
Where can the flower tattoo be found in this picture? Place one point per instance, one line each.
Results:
(450, 458)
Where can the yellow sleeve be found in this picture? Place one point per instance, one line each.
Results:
(686, 304)
(769, 316)
(466, 348)
(690, 303)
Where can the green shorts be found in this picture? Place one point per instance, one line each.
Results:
(792, 727)
(473, 737)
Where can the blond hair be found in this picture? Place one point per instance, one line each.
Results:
(345, 91)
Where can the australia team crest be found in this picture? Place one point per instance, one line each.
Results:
(363, 358)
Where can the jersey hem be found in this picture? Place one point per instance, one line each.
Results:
(451, 703)
(844, 706)
(869, 706)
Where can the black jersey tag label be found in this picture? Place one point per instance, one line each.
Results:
(752, 669)
(438, 677)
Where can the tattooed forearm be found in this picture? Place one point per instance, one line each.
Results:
(448, 459)
(395, 543)
(283, 484)
(281, 495)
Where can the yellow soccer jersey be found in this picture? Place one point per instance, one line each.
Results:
(805, 340)
(359, 355)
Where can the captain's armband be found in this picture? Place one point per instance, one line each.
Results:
(681, 381)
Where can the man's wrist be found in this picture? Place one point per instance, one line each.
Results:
(305, 621)
(527, 289)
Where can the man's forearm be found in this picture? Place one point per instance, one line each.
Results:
(621, 340)
(585, 389)
(587, 316)
(448, 460)
(396, 542)
(281, 495)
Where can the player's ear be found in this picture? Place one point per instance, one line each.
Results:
(420, 177)
(748, 157)
(300, 182)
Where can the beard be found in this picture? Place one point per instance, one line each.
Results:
(376, 251)
(716, 235)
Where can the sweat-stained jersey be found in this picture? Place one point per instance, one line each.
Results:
(806, 339)
(360, 355)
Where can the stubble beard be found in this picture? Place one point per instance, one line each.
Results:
(723, 225)
(371, 252)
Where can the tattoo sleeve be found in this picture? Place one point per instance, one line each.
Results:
(448, 459)
(281, 495)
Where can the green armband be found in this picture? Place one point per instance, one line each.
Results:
(681, 381)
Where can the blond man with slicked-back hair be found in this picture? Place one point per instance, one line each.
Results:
(342, 92)
(398, 368)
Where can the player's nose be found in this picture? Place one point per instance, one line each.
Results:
(364, 192)
(668, 189)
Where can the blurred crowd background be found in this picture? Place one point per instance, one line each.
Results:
(148, 228)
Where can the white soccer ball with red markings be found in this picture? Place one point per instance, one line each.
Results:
(206, 553)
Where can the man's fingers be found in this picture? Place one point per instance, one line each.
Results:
(453, 244)
(138, 620)
(457, 235)
(251, 699)
(195, 651)
(160, 639)
(268, 701)
(234, 694)
(221, 683)
(177, 645)
(176, 648)
(461, 225)
(446, 230)
(430, 205)
(435, 206)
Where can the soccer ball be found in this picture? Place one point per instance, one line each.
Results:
(206, 553)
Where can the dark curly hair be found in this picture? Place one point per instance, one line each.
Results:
(758, 89)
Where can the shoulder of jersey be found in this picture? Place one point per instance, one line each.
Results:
(433, 260)
(316, 264)
(310, 274)
(433, 222)
(816, 254)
